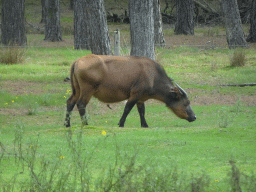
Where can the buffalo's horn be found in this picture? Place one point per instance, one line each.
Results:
(181, 90)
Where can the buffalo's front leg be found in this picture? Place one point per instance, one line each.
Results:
(128, 107)
(141, 110)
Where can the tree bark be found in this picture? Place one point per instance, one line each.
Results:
(158, 30)
(234, 32)
(81, 31)
(13, 23)
(43, 11)
(185, 21)
(71, 4)
(99, 40)
(142, 28)
(52, 21)
(252, 32)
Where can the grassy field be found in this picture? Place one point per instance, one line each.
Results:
(214, 153)
(38, 153)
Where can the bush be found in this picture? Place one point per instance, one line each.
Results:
(238, 59)
(12, 55)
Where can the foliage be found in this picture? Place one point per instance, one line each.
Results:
(12, 55)
(72, 168)
(38, 154)
(238, 59)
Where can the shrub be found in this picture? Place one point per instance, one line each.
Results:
(67, 29)
(238, 59)
(12, 55)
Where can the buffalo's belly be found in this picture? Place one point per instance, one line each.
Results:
(111, 95)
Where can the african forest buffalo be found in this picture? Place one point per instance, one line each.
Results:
(117, 78)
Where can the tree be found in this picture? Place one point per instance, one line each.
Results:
(13, 23)
(185, 17)
(159, 35)
(97, 27)
(52, 21)
(43, 11)
(142, 28)
(234, 32)
(81, 29)
(252, 32)
(71, 4)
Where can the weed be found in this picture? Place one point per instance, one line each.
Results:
(223, 118)
(214, 66)
(249, 182)
(234, 177)
(67, 28)
(200, 183)
(237, 108)
(2, 151)
(211, 32)
(46, 99)
(238, 59)
(32, 108)
(12, 55)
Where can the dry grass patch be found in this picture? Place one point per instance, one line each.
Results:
(12, 55)
(238, 59)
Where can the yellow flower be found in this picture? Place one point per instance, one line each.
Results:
(6, 104)
(68, 91)
(62, 157)
(216, 180)
(104, 133)
(12, 101)
(65, 97)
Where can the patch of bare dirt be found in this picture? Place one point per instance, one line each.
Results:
(23, 87)
(224, 100)
(196, 41)
(196, 95)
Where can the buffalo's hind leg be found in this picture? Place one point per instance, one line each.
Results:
(86, 94)
(70, 106)
(141, 110)
(82, 111)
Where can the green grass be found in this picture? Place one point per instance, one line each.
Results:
(38, 154)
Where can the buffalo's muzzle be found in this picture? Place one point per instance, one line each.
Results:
(191, 119)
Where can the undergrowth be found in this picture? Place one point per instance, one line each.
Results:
(238, 59)
(44, 173)
(12, 55)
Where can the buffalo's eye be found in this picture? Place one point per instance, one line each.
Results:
(187, 103)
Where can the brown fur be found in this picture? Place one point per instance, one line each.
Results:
(115, 78)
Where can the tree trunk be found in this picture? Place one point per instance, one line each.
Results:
(13, 23)
(185, 21)
(142, 28)
(159, 35)
(98, 29)
(52, 21)
(252, 32)
(234, 32)
(81, 33)
(71, 5)
(43, 11)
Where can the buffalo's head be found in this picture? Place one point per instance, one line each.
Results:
(177, 100)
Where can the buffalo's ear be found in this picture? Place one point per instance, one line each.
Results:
(174, 93)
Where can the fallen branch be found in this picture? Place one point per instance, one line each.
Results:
(206, 7)
(240, 85)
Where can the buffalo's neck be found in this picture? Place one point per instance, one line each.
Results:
(161, 91)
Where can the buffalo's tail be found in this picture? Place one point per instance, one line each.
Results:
(72, 78)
